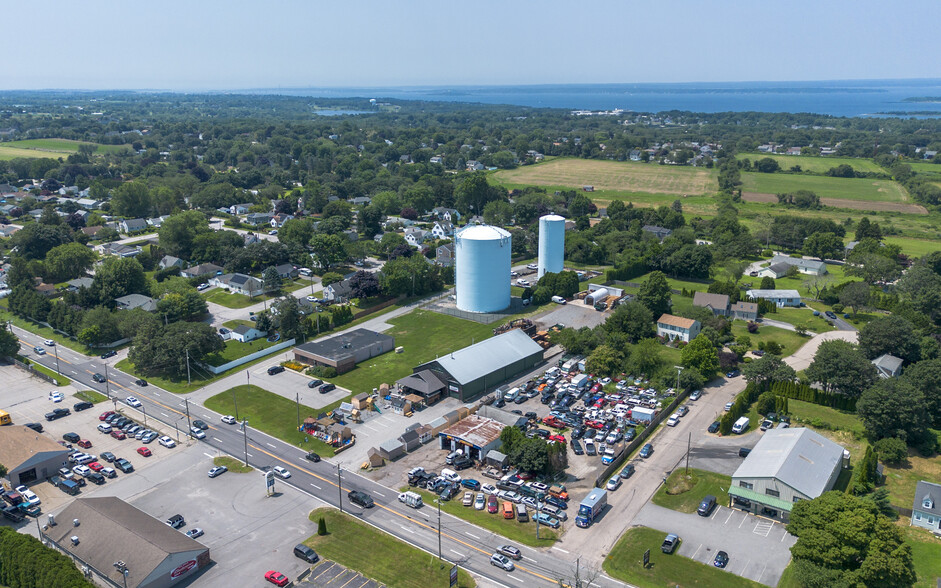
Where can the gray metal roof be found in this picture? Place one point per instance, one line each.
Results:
(804, 263)
(927, 491)
(798, 457)
(888, 364)
(773, 293)
(473, 362)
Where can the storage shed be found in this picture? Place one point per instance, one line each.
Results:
(644, 415)
(392, 449)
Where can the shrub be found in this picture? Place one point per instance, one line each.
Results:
(321, 527)
(752, 327)
(293, 365)
(765, 403)
(774, 348)
(891, 450)
(321, 371)
(838, 308)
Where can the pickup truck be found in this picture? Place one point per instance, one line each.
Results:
(669, 543)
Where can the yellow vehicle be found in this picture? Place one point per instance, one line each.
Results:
(5, 418)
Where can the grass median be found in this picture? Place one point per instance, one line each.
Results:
(235, 466)
(270, 413)
(91, 396)
(59, 378)
(684, 492)
(512, 529)
(626, 563)
(377, 555)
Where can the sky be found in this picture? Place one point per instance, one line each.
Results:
(236, 44)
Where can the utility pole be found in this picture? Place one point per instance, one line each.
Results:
(107, 382)
(678, 370)
(340, 487)
(57, 361)
(245, 436)
(536, 516)
(143, 409)
(440, 563)
(689, 442)
(189, 425)
(297, 401)
(188, 380)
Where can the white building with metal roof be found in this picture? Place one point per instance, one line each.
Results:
(779, 297)
(470, 371)
(785, 467)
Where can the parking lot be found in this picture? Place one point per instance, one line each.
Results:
(575, 314)
(758, 548)
(329, 574)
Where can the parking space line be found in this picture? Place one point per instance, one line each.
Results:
(765, 567)
(783, 535)
(715, 514)
(207, 455)
(743, 521)
(325, 569)
(355, 574)
(560, 549)
(731, 512)
(695, 553)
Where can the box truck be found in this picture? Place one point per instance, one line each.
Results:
(591, 507)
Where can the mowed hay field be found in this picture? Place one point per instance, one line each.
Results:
(855, 193)
(817, 165)
(50, 148)
(650, 178)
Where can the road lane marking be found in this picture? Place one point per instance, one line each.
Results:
(217, 440)
(165, 414)
(560, 549)
(474, 536)
(379, 493)
(316, 486)
(457, 552)
(207, 455)
(404, 528)
(517, 579)
(270, 445)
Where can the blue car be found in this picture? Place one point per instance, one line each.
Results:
(646, 451)
(471, 484)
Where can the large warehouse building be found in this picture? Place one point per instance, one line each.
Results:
(29, 456)
(110, 536)
(344, 351)
(471, 371)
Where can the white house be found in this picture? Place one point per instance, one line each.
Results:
(170, 261)
(415, 237)
(132, 225)
(442, 230)
(278, 220)
(447, 214)
(926, 510)
(676, 327)
(779, 297)
(436, 159)
(338, 291)
(746, 311)
(238, 283)
(785, 467)
(245, 333)
(888, 366)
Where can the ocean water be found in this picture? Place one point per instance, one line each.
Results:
(837, 98)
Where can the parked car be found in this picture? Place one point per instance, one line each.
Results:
(176, 521)
(217, 471)
(314, 383)
(275, 369)
(646, 451)
(546, 519)
(194, 533)
(480, 501)
(57, 413)
(56, 396)
(108, 354)
(492, 504)
(34, 426)
(714, 427)
(696, 395)
(705, 507)
(670, 543)
(118, 434)
(108, 473)
(167, 442)
(108, 456)
(614, 483)
(744, 451)
(124, 465)
(144, 451)
(721, 560)
(628, 471)
(80, 406)
(468, 499)
(72, 437)
(327, 387)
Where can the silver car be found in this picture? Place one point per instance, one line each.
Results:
(502, 561)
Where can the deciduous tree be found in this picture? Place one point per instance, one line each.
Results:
(839, 367)
(701, 354)
(655, 294)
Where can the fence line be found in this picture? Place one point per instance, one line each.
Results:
(34, 372)
(250, 357)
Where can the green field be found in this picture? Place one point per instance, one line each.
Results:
(424, 335)
(683, 492)
(51, 148)
(626, 563)
(789, 340)
(817, 165)
(926, 553)
(379, 556)
(802, 316)
(924, 167)
(826, 187)
(90, 396)
(236, 349)
(915, 247)
(512, 529)
(270, 413)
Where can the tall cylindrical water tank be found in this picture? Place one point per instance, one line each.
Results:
(551, 244)
(482, 268)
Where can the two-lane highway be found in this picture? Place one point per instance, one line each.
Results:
(461, 542)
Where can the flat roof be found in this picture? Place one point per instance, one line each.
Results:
(477, 430)
(473, 362)
(343, 344)
(798, 457)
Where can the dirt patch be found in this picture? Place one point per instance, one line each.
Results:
(843, 203)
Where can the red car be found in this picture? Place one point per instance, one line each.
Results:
(95, 466)
(276, 578)
(105, 415)
(595, 424)
(557, 438)
(118, 434)
(84, 444)
(146, 453)
(492, 504)
(553, 422)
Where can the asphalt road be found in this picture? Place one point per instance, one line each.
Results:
(460, 542)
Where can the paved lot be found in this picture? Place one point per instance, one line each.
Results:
(759, 549)
(720, 454)
(329, 574)
(574, 314)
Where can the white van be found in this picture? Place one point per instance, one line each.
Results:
(558, 300)
(740, 425)
(304, 271)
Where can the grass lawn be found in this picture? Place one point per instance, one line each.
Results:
(683, 492)
(377, 555)
(836, 419)
(90, 396)
(235, 466)
(178, 385)
(512, 529)
(864, 189)
(424, 335)
(236, 349)
(270, 413)
(815, 164)
(789, 340)
(926, 553)
(675, 283)
(44, 332)
(60, 379)
(902, 479)
(237, 323)
(625, 562)
(233, 300)
(914, 247)
(801, 316)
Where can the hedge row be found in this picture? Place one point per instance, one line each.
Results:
(807, 394)
(26, 563)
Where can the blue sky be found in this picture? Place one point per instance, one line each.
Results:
(210, 44)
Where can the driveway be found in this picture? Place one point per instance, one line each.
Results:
(758, 548)
(804, 356)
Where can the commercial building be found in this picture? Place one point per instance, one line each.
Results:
(344, 351)
(470, 371)
(29, 456)
(785, 467)
(676, 327)
(111, 537)
(779, 297)
(475, 435)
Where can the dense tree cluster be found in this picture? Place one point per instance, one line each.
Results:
(26, 563)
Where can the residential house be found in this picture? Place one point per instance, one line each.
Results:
(238, 283)
(119, 249)
(635, 155)
(378, 237)
(338, 292)
(746, 311)
(92, 231)
(396, 220)
(203, 269)
(169, 261)
(442, 230)
(926, 510)
(659, 232)
(676, 327)
(132, 301)
(6, 209)
(446, 214)
(779, 297)
(888, 366)
(437, 159)
(785, 467)
(250, 238)
(245, 333)
(793, 151)
(415, 237)
(351, 235)
(805, 266)
(473, 165)
(240, 208)
(258, 218)
(360, 201)
(9, 230)
(286, 271)
(77, 283)
(46, 289)
(774, 271)
(277, 221)
(132, 225)
(444, 255)
(718, 304)
(88, 203)
(157, 221)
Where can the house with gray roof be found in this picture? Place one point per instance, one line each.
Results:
(238, 283)
(132, 225)
(246, 333)
(258, 218)
(77, 283)
(338, 291)
(888, 366)
(746, 311)
(203, 269)
(659, 232)
(774, 271)
(926, 508)
(811, 267)
(120, 249)
(779, 297)
(718, 304)
(286, 271)
(785, 467)
(169, 261)
(132, 301)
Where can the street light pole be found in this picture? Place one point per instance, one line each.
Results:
(143, 409)
(439, 532)
(340, 487)
(57, 361)
(678, 370)
(189, 425)
(245, 436)
(107, 382)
